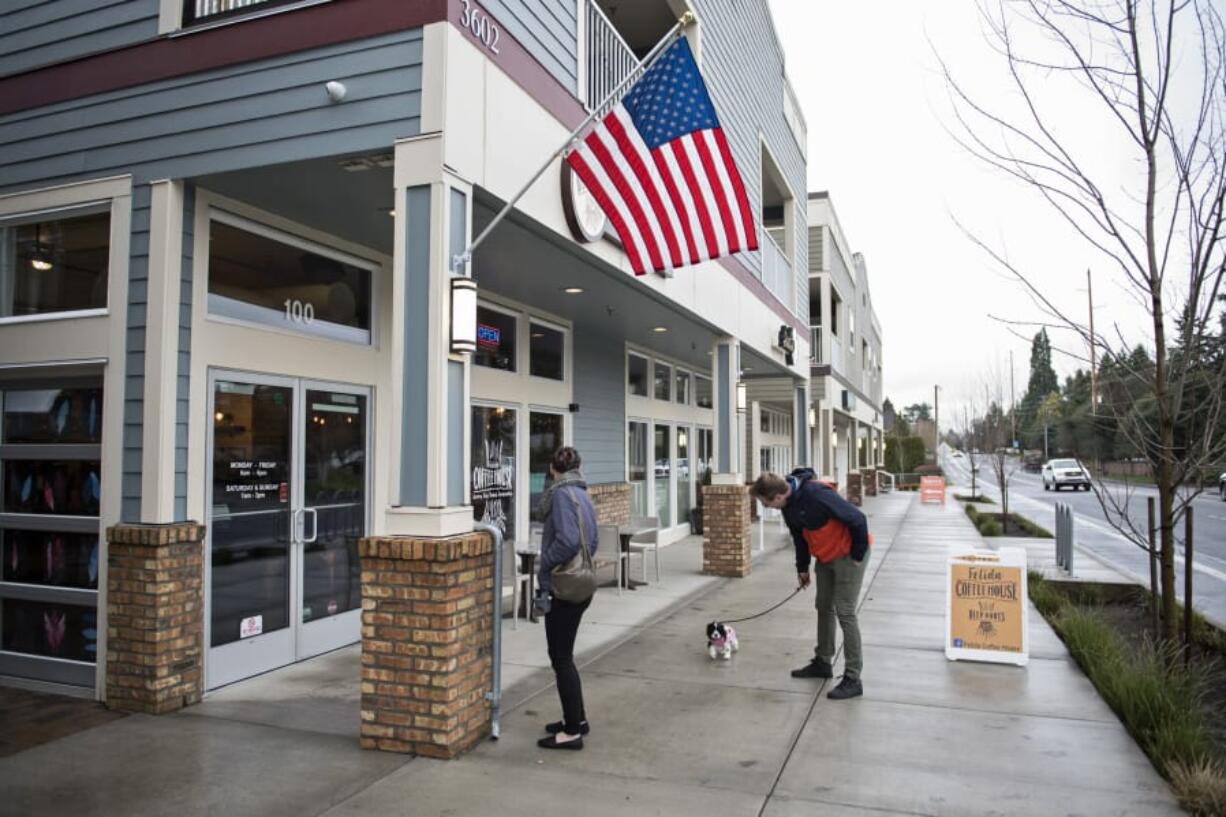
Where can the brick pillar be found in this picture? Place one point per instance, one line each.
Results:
(870, 481)
(855, 488)
(612, 501)
(726, 531)
(427, 606)
(155, 617)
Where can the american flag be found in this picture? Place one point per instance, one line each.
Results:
(661, 169)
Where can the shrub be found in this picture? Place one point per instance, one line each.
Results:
(1046, 598)
(1201, 787)
(913, 453)
(988, 526)
(981, 499)
(1161, 703)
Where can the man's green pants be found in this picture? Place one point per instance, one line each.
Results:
(838, 590)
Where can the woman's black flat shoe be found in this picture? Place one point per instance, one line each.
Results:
(551, 742)
(557, 726)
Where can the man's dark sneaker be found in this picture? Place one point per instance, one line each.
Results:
(557, 726)
(816, 668)
(847, 688)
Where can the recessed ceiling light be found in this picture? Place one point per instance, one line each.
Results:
(572, 290)
(660, 329)
(391, 213)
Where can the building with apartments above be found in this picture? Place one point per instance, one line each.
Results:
(845, 351)
(226, 232)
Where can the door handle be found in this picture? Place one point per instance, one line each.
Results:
(314, 525)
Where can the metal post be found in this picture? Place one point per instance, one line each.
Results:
(1070, 533)
(1153, 569)
(1187, 584)
(494, 696)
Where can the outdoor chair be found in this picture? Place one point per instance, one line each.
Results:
(609, 550)
(519, 581)
(647, 540)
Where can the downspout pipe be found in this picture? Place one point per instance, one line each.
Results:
(494, 696)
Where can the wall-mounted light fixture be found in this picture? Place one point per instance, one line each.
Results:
(463, 315)
(834, 439)
(742, 396)
(812, 418)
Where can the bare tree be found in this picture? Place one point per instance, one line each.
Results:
(998, 440)
(1152, 74)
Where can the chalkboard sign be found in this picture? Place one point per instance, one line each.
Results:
(986, 606)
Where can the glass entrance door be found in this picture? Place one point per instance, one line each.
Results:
(287, 507)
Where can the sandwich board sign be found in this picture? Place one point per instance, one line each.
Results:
(986, 606)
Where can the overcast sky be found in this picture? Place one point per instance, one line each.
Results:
(877, 109)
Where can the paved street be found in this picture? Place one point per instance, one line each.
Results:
(673, 732)
(1093, 532)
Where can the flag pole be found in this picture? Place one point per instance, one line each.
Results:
(458, 262)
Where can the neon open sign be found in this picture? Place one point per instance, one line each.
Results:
(488, 335)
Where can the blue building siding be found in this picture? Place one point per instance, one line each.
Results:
(548, 29)
(40, 33)
(250, 115)
(742, 63)
(134, 373)
(600, 391)
(183, 373)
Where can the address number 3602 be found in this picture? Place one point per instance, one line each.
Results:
(480, 24)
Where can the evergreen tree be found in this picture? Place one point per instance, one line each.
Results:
(1043, 381)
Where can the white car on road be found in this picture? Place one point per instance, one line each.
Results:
(1059, 473)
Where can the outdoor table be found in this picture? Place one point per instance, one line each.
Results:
(626, 533)
(528, 553)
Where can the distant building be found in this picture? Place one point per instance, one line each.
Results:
(845, 351)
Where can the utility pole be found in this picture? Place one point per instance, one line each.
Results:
(1012, 403)
(936, 422)
(1093, 368)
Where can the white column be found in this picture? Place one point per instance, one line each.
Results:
(162, 352)
(729, 425)
(429, 449)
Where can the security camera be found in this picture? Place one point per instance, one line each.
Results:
(335, 90)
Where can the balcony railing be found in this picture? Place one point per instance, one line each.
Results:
(609, 59)
(776, 270)
(197, 11)
(836, 354)
(815, 345)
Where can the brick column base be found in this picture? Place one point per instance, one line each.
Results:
(855, 488)
(427, 606)
(612, 501)
(155, 617)
(870, 481)
(726, 531)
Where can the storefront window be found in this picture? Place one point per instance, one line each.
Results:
(663, 380)
(54, 265)
(50, 467)
(495, 339)
(493, 467)
(636, 375)
(636, 467)
(702, 392)
(546, 349)
(544, 439)
(683, 388)
(286, 283)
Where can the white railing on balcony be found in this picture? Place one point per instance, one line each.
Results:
(836, 354)
(203, 9)
(609, 59)
(776, 270)
(815, 345)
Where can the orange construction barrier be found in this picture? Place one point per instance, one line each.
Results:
(932, 488)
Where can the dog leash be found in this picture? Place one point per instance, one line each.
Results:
(764, 612)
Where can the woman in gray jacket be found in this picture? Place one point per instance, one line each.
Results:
(569, 518)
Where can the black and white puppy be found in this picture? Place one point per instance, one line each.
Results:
(721, 640)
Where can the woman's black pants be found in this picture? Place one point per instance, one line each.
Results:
(561, 625)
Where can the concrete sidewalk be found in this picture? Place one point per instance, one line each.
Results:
(673, 732)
